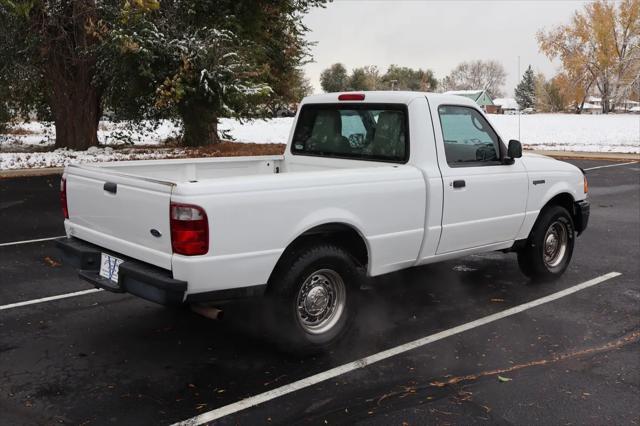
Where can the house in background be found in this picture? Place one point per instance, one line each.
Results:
(627, 105)
(591, 108)
(479, 96)
(594, 101)
(507, 105)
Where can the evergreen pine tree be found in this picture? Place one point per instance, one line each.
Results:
(526, 90)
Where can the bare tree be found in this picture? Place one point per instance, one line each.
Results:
(485, 75)
(373, 76)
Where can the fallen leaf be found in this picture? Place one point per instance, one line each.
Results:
(504, 379)
(51, 262)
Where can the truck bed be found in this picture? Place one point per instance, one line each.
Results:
(201, 169)
(191, 169)
(123, 206)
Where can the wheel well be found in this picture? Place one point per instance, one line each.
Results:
(340, 234)
(563, 200)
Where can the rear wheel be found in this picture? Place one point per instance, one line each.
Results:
(550, 245)
(312, 296)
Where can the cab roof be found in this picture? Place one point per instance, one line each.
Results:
(382, 97)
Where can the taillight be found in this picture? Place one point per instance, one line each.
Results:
(63, 198)
(189, 230)
(351, 97)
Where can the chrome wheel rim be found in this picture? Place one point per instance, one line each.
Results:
(321, 301)
(555, 244)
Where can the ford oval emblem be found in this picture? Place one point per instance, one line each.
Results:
(156, 233)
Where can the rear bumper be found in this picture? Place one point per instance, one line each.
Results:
(138, 278)
(582, 212)
(142, 279)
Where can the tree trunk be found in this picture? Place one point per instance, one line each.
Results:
(69, 69)
(76, 109)
(606, 108)
(200, 124)
(580, 106)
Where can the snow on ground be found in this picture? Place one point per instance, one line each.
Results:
(570, 132)
(275, 130)
(64, 157)
(148, 133)
(562, 132)
(110, 133)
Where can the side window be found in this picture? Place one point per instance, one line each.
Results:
(468, 138)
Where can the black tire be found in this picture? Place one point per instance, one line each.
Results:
(302, 268)
(543, 262)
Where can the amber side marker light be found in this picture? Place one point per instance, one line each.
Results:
(586, 184)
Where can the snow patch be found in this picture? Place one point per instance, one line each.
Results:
(569, 132)
(463, 268)
(63, 157)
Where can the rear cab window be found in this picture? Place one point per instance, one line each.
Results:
(373, 132)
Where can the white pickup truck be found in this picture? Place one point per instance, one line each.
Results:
(370, 183)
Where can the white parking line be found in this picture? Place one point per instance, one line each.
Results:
(611, 165)
(49, 299)
(380, 356)
(15, 243)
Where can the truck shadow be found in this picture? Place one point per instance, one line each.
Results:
(406, 305)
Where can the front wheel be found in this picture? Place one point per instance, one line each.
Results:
(550, 245)
(313, 297)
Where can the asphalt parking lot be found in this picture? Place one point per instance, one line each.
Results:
(102, 358)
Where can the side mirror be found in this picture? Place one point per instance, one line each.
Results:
(515, 149)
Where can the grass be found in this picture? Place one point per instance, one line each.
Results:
(17, 131)
(235, 149)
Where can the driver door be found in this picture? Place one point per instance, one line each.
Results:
(484, 198)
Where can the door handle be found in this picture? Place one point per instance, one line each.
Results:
(459, 184)
(110, 187)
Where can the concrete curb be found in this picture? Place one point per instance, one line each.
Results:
(570, 155)
(566, 155)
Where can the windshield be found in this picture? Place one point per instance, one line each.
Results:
(361, 132)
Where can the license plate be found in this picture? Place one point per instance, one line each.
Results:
(109, 266)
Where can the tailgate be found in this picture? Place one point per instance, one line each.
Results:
(123, 213)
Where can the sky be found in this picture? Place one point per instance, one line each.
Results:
(434, 34)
